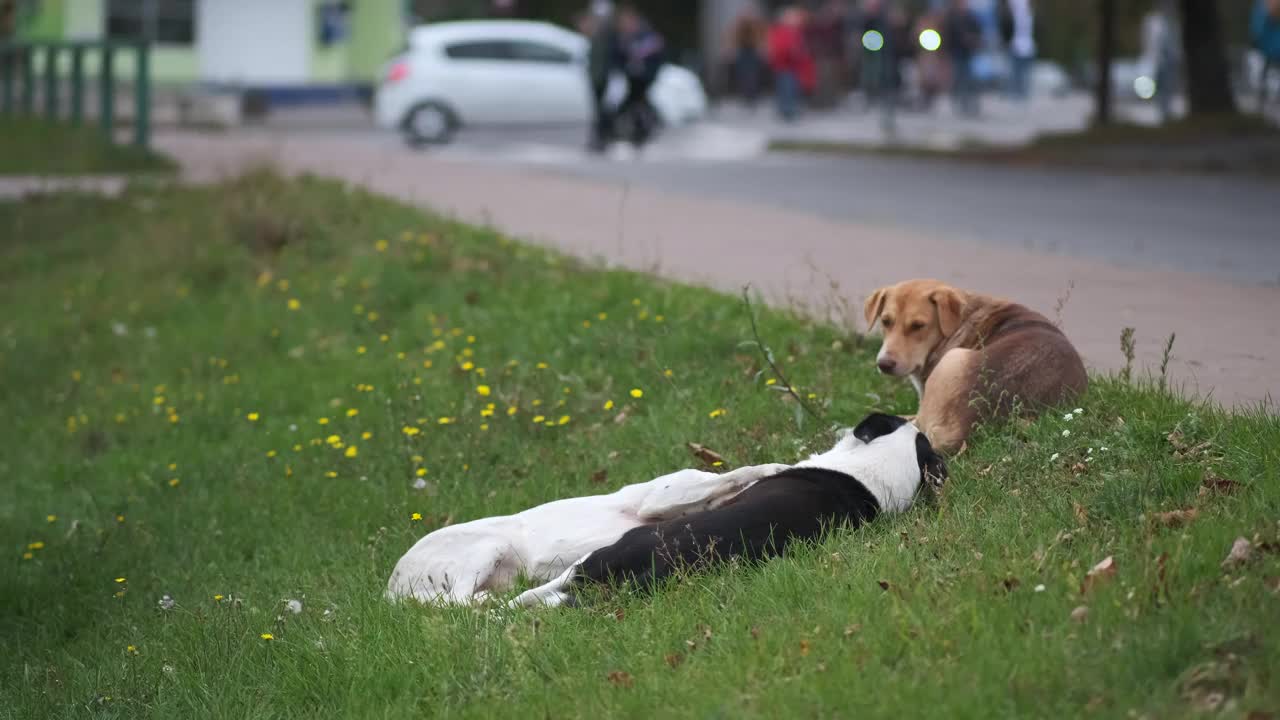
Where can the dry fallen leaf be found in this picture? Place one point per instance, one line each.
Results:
(1011, 584)
(1082, 515)
(1080, 614)
(755, 632)
(884, 584)
(1214, 484)
(674, 659)
(804, 648)
(1241, 552)
(1100, 573)
(1273, 583)
(1176, 518)
(853, 629)
(599, 476)
(620, 418)
(621, 678)
(705, 454)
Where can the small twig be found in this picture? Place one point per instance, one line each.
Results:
(768, 356)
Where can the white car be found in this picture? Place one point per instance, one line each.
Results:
(485, 72)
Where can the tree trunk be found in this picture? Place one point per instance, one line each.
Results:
(1106, 49)
(1208, 79)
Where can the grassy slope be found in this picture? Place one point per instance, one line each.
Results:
(141, 333)
(33, 147)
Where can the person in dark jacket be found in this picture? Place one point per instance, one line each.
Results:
(597, 25)
(1264, 29)
(640, 54)
(962, 39)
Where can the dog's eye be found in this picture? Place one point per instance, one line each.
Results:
(887, 323)
(917, 325)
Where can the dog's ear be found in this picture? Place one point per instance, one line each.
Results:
(933, 469)
(950, 304)
(877, 425)
(874, 306)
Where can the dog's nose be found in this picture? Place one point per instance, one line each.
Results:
(886, 365)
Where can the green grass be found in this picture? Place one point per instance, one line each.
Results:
(141, 334)
(35, 147)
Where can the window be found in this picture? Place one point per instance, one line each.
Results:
(508, 50)
(164, 22)
(538, 52)
(479, 50)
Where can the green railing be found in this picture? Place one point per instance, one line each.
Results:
(18, 82)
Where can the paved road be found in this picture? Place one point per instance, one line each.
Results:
(1192, 255)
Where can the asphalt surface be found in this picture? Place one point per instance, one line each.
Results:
(1223, 226)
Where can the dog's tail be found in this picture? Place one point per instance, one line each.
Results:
(555, 592)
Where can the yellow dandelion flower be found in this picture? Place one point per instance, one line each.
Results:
(426, 364)
(271, 453)
(37, 545)
(480, 371)
(642, 315)
(174, 418)
(717, 463)
(51, 518)
(539, 418)
(401, 356)
(132, 650)
(667, 373)
(294, 304)
(637, 393)
(331, 474)
(334, 440)
(283, 284)
(717, 412)
(471, 338)
(217, 598)
(771, 381)
(445, 421)
(568, 390)
(608, 404)
(602, 316)
(373, 316)
(352, 451)
(76, 376)
(297, 447)
(484, 427)
(564, 420)
(512, 411)
(420, 472)
(635, 302)
(120, 418)
(537, 403)
(361, 350)
(119, 580)
(487, 412)
(323, 421)
(119, 518)
(482, 390)
(410, 430)
(456, 332)
(27, 556)
(173, 466)
(380, 246)
(659, 318)
(267, 636)
(468, 352)
(173, 482)
(384, 338)
(415, 517)
(253, 417)
(813, 396)
(468, 366)
(288, 471)
(352, 412)
(541, 366)
(586, 323)
(366, 435)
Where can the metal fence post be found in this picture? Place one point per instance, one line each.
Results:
(28, 80)
(77, 84)
(142, 97)
(51, 82)
(107, 91)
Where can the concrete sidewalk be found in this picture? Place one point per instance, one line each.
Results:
(1227, 336)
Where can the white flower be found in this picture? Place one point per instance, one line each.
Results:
(293, 428)
(1040, 588)
(1104, 448)
(1090, 451)
(120, 329)
(1066, 433)
(1078, 411)
(1053, 457)
(1068, 417)
(294, 606)
(166, 603)
(149, 331)
(420, 484)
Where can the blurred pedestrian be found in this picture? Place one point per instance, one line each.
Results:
(747, 63)
(1017, 29)
(933, 73)
(962, 39)
(640, 55)
(825, 39)
(1264, 29)
(1161, 49)
(597, 25)
(790, 60)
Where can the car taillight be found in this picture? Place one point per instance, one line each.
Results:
(397, 72)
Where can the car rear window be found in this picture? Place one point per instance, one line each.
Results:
(479, 50)
(508, 50)
(539, 52)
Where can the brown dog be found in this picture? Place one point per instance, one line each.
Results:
(971, 357)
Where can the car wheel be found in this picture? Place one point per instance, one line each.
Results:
(430, 123)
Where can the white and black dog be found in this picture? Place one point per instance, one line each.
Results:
(877, 469)
(464, 564)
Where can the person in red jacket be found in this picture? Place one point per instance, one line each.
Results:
(792, 63)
